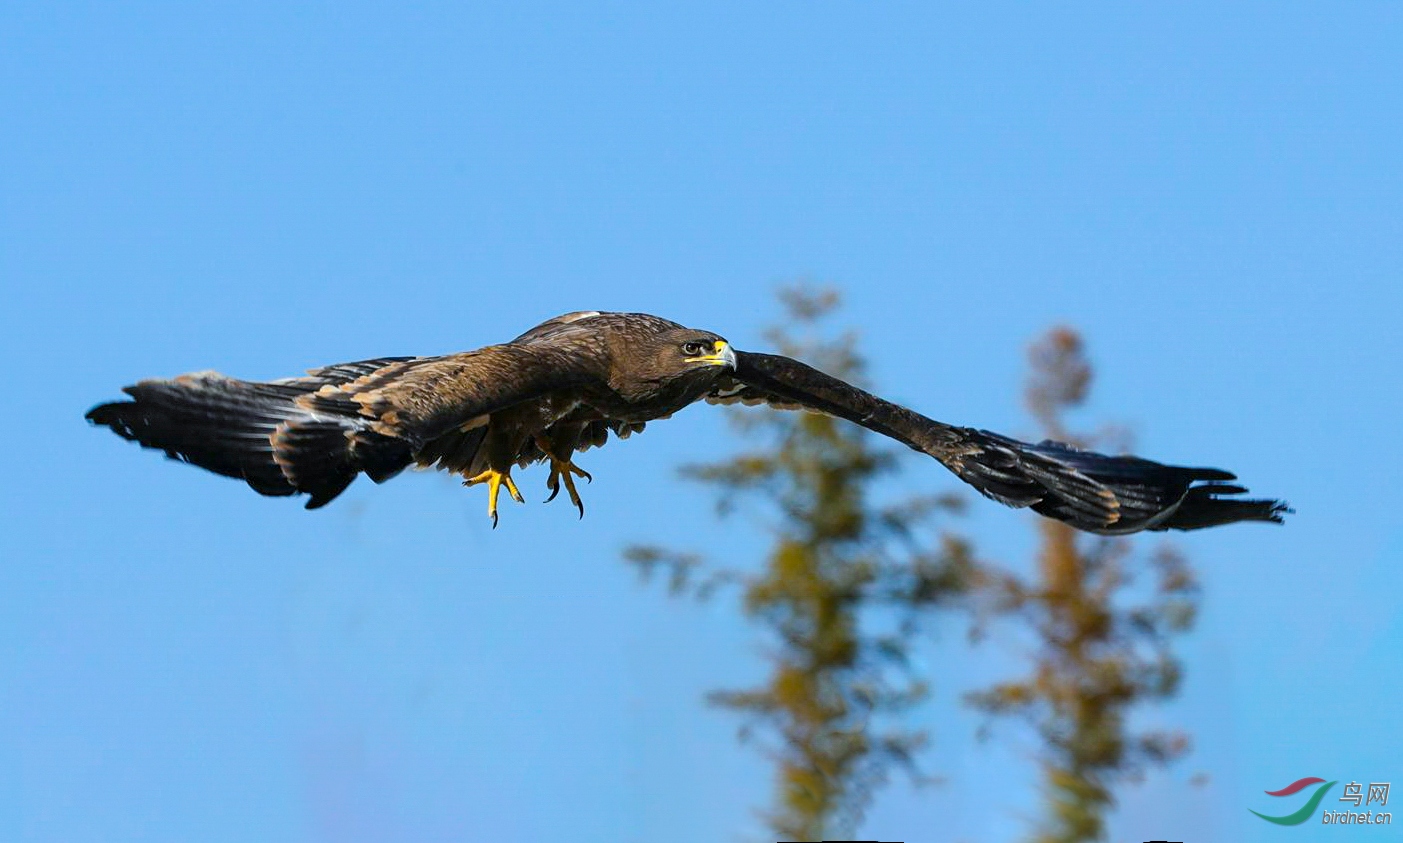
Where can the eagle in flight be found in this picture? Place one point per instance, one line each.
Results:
(568, 383)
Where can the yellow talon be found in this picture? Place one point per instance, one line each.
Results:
(567, 471)
(495, 480)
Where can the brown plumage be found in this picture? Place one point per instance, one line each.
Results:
(569, 383)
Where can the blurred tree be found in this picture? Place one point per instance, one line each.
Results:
(1095, 657)
(850, 574)
(840, 593)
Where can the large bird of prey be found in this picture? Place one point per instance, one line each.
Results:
(566, 384)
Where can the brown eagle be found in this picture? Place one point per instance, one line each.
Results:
(568, 383)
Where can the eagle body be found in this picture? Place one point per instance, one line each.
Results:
(573, 381)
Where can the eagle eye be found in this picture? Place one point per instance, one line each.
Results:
(695, 349)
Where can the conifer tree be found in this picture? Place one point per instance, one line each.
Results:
(838, 594)
(850, 573)
(1103, 639)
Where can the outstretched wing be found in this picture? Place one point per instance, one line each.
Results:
(1090, 491)
(315, 434)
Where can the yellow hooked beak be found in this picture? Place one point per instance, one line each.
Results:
(722, 355)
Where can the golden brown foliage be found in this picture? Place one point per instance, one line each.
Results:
(1096, 658)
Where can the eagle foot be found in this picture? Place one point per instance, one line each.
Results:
(567, 471)
(495, 480)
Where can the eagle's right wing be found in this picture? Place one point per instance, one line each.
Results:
(1090, 491)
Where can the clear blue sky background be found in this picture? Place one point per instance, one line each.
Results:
(1212, 192)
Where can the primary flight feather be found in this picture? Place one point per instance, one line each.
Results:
(570, 382)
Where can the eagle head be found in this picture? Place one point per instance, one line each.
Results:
(673, 367)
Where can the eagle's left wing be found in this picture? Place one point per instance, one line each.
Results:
(1090, 491)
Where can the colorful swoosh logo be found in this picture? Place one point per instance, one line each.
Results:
(1307, 809)
(1295, 786)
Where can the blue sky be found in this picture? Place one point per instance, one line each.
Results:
(1210, 193)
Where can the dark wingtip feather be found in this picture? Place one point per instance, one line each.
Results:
(1147, 495)
(113, 415)
(1203, 507)
(327, 491)
(1214, 474)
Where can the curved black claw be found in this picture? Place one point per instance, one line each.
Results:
(496, 481)
(566, 471)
